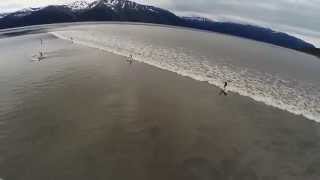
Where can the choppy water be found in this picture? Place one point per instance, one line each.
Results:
(279, 77)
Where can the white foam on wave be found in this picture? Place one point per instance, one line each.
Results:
(287, 94)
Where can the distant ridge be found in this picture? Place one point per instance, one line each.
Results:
(252, 32)
(125, 10)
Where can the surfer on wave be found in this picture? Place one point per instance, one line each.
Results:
(130, 59)
(224, 90)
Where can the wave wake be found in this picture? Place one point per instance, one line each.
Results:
(284, 93)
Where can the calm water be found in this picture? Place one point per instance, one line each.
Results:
(276, 76)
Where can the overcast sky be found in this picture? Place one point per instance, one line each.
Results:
(297, 17)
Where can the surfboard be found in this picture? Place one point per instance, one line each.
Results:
(223, 92)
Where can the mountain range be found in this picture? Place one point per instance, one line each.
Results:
(129, 11)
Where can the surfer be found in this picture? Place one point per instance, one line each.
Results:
(224, 90)
(130, 59)
(225, 85)
(41, 54)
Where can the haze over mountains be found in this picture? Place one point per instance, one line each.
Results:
(125, 10)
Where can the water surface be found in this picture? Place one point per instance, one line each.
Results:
(83, 113)
(277, 76)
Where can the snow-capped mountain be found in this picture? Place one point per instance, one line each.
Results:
(111, 4)
(126, 10)
(23, 12)
(115, 4)
(80, 5)
(90, 10)
(86, 5)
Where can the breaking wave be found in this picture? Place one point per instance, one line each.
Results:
(285, 93)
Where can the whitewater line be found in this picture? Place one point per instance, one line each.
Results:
(189, 69)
